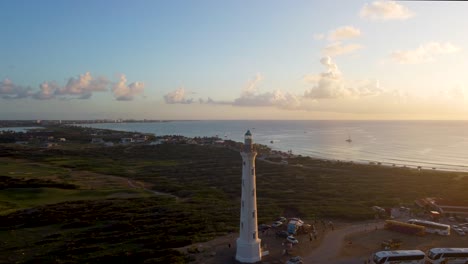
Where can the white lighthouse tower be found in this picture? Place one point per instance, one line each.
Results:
(248, 243)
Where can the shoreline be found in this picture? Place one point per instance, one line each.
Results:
(376, 163)
(415, 166)
(404, 166)
(411, 164)
(421, 165)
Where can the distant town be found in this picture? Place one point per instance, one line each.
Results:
(37, 122)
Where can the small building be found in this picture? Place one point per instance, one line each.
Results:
(158, 141)
(126, 140)
(451, 208)
(192, 142)
(444, 207)
(97, 141)
(48, 145)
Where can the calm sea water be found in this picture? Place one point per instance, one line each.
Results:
(431, 144)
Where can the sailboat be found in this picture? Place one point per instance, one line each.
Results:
(349, 140)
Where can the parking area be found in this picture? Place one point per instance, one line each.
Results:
(292, 237)
(357, 245)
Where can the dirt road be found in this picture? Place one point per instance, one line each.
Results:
(329, 249)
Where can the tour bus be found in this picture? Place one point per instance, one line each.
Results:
(406, 228)
(399, 256)
(432, 227)
(447, 255)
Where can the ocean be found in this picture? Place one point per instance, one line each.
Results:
(441, 145)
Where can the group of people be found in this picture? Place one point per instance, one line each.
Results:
(313, 235)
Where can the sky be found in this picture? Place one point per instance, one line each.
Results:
(223, 60)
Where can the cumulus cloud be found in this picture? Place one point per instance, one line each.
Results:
(364, 88)
(277, 98)
(331, 72)
(178, 97)
(252, 97)
(83, 86)
(8, 87)
(9, 90)
(124, 92)
(209, 100)
(331, 84)
(47, 91)
(385, 10)
(345, 32)
(338, 48)
(332, 68)
(252, 86)
(424, 53)
(335, 37)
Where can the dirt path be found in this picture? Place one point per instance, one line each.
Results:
(330, 248)
(141, 186)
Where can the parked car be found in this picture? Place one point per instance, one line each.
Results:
(263, 227)
(459, 231)
(282, 233)
(281, 219)
(295, 260)
(292, 239)
(277, 224)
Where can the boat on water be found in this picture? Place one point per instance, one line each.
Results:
(349, 140)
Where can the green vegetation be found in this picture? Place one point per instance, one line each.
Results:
(12, 199)
(21, 168)
(82, 202)
(118, 230)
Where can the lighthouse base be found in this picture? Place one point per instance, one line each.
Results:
(248, 252)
